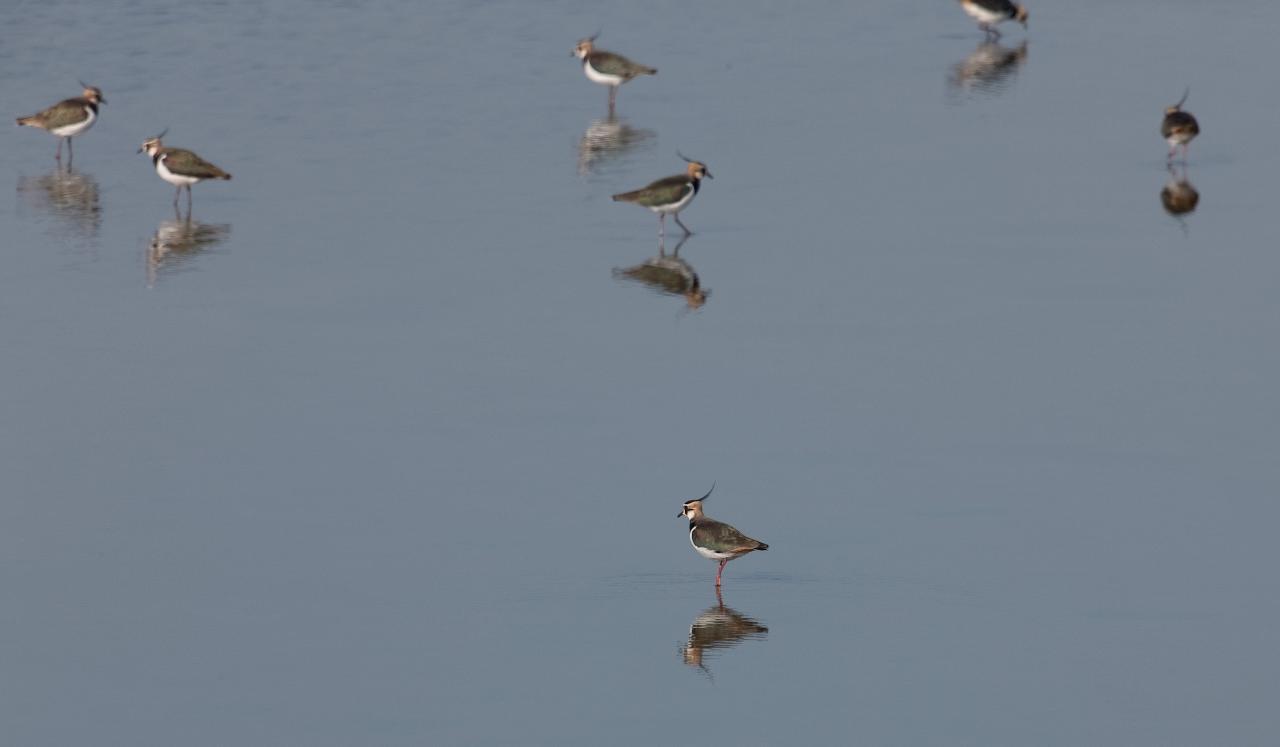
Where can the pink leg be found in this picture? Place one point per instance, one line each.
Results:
(719, 571)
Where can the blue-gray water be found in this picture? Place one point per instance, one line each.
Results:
(379, 449)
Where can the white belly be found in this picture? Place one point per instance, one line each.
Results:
(597, 77)
(172, 178)
(77, 128)
(675, 207)
(709, 554)
(982, 15)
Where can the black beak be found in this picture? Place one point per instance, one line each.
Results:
(707, 174)
(680, 514)
(141, 149)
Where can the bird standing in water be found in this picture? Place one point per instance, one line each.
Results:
(669, 195)
(1179, 128)
(179, 167)
(607, 68)
(716, 540)
(68, 118)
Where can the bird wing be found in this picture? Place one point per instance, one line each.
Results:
(63, 113)
(185, 162)
(1003, 7)
(720, 537)
(662, 192)
(609, 63)
(1178, 122)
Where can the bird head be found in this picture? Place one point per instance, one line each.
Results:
(693, 509)
(585, 46)
(93, 93)
(696, 169)
(152, 145)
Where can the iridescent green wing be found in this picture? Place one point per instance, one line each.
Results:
(719, 537)
(666, 191)
(63, 113)
(186, 163)
(609, 63)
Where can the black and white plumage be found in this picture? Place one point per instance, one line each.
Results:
(716, 540)
(988, 13)
(608, 68)
(179, 167)
(669, 195)
(68, 118)
(1179, 128)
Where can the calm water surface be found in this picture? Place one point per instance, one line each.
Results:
(384, 444)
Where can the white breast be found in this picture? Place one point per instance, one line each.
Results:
(172, 178)
(598, 77)
(78, 127)
(981, 14)
(676, 207)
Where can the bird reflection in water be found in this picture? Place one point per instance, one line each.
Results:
(716, 628)
(177, 242)
(988, 69)
(70, 196)
(607, 139)
(1178, 197)
(668, 274)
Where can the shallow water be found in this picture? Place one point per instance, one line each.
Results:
(384, 445)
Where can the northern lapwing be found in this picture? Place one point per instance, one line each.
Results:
(607, 68)
(670, 195)
(68, 118)
(1179, 128)
(715, 539)
(179, 167)
(988, 13)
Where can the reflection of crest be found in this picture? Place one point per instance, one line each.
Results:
(718, 628)
(988, 69)
(668, 274)
(606, 139)
(177, 242)
(70, 196)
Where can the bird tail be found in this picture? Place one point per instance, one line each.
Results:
(763, 546)
(225, 175)
(27, 122)
(648, 71)
(626, 196)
